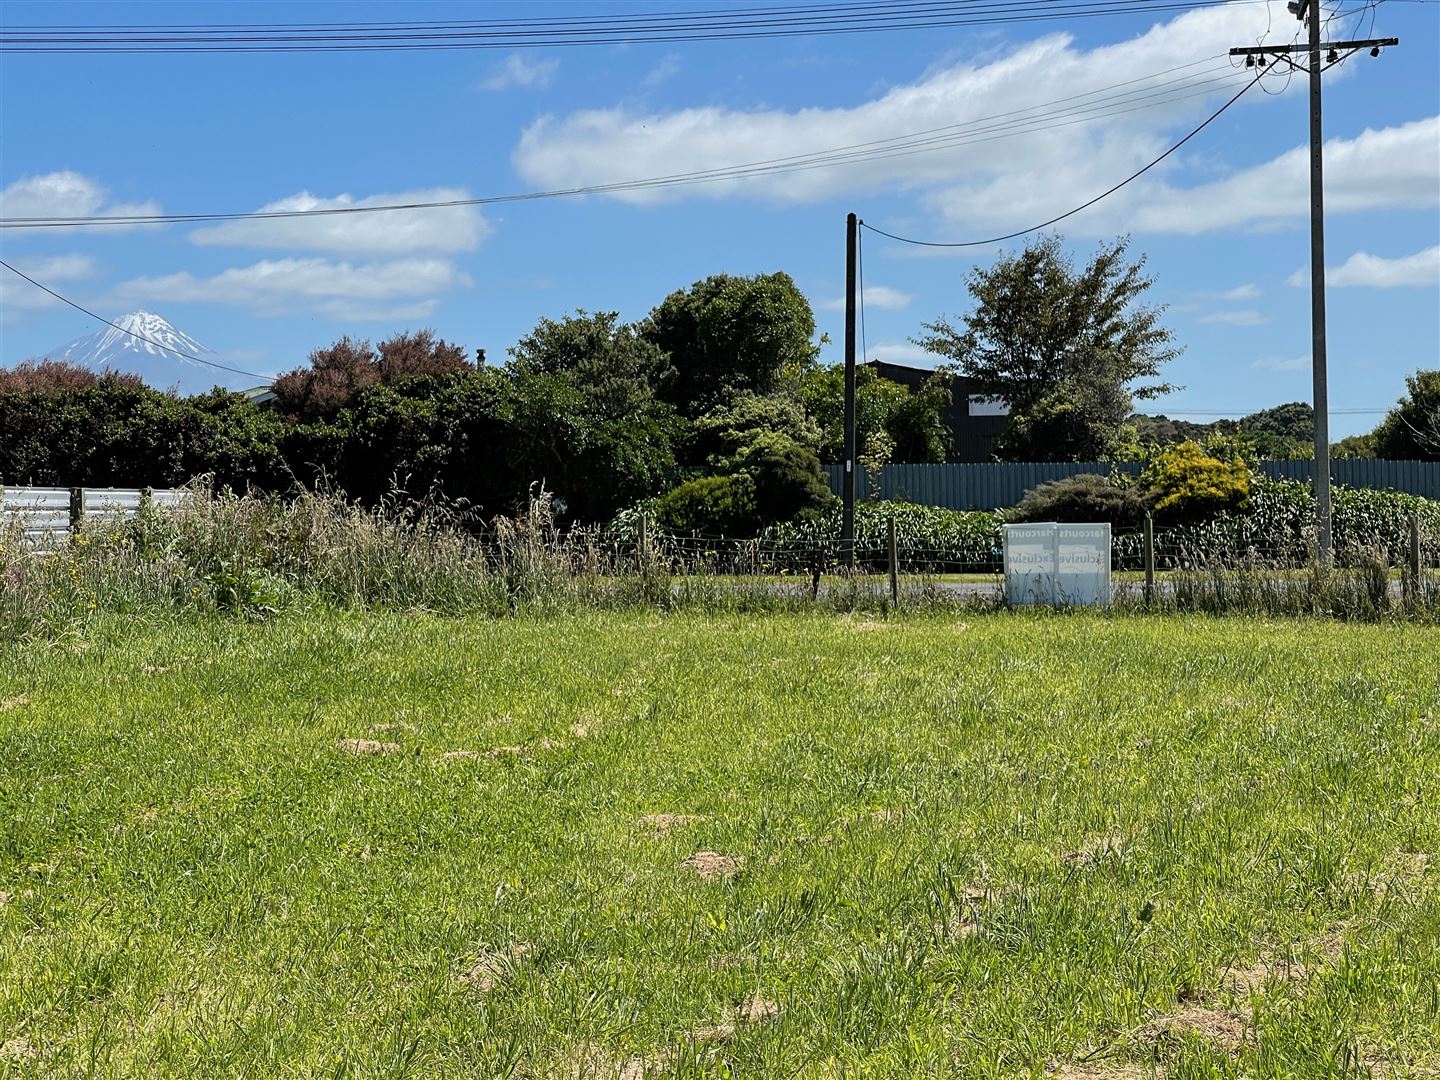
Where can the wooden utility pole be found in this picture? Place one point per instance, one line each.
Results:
(847, 481)
(1319, 368)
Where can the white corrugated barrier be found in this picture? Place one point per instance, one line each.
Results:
(49, 514)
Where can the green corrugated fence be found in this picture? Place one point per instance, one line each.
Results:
(993, 485)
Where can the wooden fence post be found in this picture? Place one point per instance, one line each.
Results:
(894, 562)
(642, 544)
(1149, 558)
(77, 508)
(1416, 565)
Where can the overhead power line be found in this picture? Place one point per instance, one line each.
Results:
(714, 25)
(1083, 206)
(124, 330)
(1145, 92)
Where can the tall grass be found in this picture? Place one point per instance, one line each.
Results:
(254, 555)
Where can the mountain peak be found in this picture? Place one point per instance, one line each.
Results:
(146, 344)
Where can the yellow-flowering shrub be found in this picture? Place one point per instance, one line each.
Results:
(1189, 484)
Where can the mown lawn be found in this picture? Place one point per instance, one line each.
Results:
(1010, 846)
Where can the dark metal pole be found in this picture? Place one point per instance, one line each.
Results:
(847, 484)
(1317, 297)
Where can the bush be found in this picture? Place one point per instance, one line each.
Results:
(1085, 498)
(787, 480)
(1189, 485)
(712, 505)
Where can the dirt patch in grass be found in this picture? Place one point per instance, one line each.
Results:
(390, 725)
(663, 823)
(1227, 1029)
(505, 751)
(1102, 1070)
(494, 966)
(18, 1049)
(753, 1010)
(368, 746)
(712, 864)
(17, 702)
(580, 731)
(1096, 850)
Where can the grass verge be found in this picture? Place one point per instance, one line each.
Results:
(628, 845)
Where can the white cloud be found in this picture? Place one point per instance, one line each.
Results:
(65, 194)
(16, 293)
(1372, 271)
(1389, 167)
(1248, 291)
(397, 289)
(1278, 363)
(994, 184)
(667, 68)
(389, 232)
(878, 297)
(521, 70)
(1235, 318)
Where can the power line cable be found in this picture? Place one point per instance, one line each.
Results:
(139, 337)
(1077, 111)
(1083, 206)
(604, 34)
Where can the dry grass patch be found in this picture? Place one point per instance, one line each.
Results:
(663, 823)
(16, 702)
(1097, 850)
(390, 725)
(367, 746)
(753, 1010)
(494, 966)
(1103, 1070)
(712, 864)
(1226, 1029)
(18, 1049)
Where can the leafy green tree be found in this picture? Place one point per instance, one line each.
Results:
(617, 370)
(1411, 430)
(910, 420)
(1354, 446)
(119, 433)
(727, 334)
(1069, 350)
(719, 437)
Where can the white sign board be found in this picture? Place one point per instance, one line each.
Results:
(1054, 563)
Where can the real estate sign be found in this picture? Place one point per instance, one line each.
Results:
(1057, 563)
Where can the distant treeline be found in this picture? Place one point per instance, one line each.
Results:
(723, 377)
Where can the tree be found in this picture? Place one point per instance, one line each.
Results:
(1411, 430)
(52, 376)
(409, 356)
(581, 407)
(723, 434)
(910, 420)
(1069, 350)
(726, 335)
(616, 369)
(339, 372)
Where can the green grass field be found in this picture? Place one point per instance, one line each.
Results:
(804, 846)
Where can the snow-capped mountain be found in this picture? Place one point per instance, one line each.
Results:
(148, 346)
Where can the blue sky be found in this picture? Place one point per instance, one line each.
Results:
(1223, 222)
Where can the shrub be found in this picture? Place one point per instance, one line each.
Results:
(787, 480)
(1188, 484)
(723, 505)
(1085, 498)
